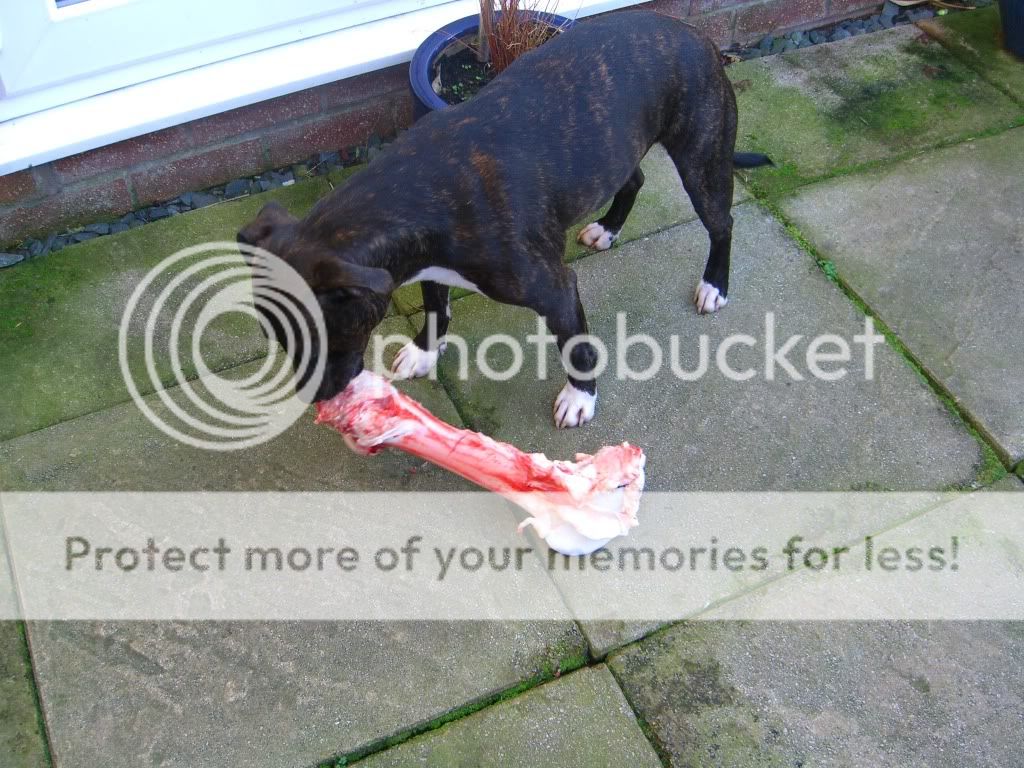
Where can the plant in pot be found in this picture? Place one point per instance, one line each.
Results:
(459, 59)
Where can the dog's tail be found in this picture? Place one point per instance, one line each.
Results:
(750, 160)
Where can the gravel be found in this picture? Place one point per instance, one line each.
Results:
(236, 188)
(202, 199)
(890, 15)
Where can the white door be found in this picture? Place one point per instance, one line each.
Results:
(55, 52)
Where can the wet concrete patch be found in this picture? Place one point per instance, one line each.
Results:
(830, 693)
(826, 109)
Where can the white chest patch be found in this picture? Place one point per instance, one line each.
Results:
(444, 276)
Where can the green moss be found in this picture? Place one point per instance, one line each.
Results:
(697, 714)
(23, 739)
(838, 109)
(566, 655)
(339, 176)
(974, 38)
(60, 314)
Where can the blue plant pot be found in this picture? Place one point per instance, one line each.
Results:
(1012, 13)
(422, 64)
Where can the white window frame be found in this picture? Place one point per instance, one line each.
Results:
(52, 56)
(52, 106)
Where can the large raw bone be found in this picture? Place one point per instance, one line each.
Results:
(575, 506)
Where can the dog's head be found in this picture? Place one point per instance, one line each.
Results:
(352, 297)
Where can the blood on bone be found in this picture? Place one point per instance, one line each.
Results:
(597, 495)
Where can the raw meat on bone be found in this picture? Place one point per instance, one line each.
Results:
(575, 506)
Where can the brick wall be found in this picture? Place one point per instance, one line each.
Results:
(112, 180)
(107, 182)
(737, 22)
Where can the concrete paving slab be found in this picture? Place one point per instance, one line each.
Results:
(1008, 483)
(825, 109)
(276, 693)
(662, 203)
(714, 434)
(581, 719)
(831, 693)
(226, 694)
(945, 272)
(59, 315)
(118, 449)
(981, 579)
(9, 607)
(976, 38)
(22, 744)
(673, 565)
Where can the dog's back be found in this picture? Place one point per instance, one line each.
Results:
(579, 112)
(480, 195)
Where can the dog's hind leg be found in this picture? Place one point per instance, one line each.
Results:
(602, 233)
(706, 171)
(420, 355)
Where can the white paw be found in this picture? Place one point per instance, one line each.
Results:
(596, 236)
(708, 299)
(573, 407)
(411, 362)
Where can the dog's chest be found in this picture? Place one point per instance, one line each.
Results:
(444, 276)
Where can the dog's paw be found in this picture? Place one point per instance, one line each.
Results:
(597, 237)
(708, 298)
(411, 362)
(573, 407)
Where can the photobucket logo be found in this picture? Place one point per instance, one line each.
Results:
(737, 357)
(194, 293)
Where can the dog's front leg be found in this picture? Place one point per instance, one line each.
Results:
(420, 355)
(602, 233)
(564, 315)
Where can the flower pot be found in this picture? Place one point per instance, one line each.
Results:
(420, 69)
(1012, 13)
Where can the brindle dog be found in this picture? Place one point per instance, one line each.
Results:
(480, 195)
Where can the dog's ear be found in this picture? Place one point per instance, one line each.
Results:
(332, 273)
(269, 220)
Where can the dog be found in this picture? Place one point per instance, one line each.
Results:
(480, 195)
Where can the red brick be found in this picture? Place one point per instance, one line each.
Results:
(334, 132)
(403, 112)
(775, 15)
(69, 207)
(678, 9)
(717, 26)
(698, 7)
(253, 117)
(841, 7)
(16, 186)
(353, 90)
(123, 154)
(205, 169)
